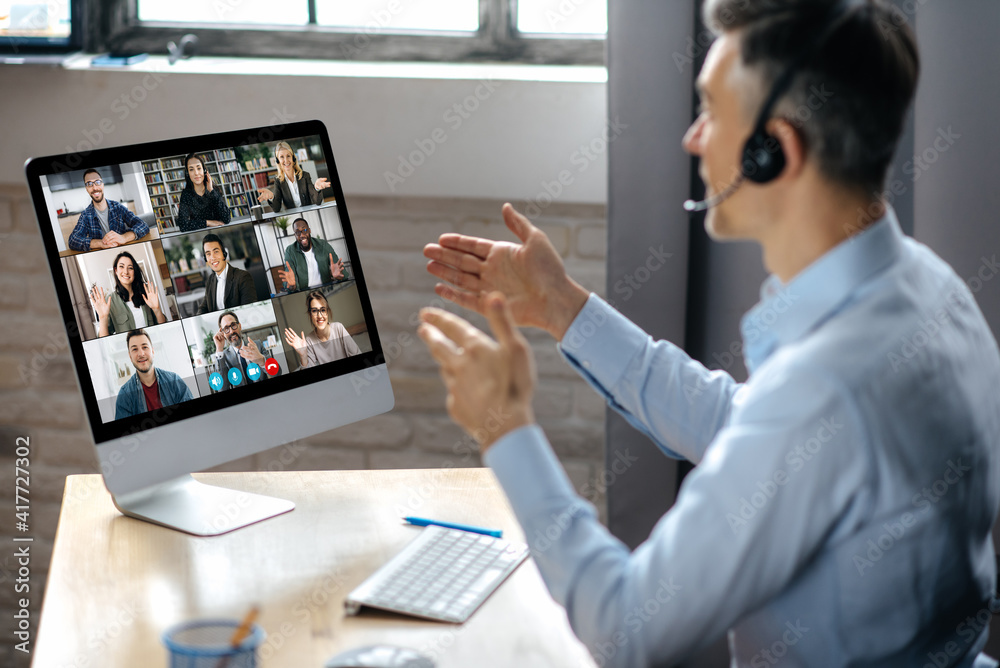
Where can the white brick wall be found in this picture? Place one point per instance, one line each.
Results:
(43, 401)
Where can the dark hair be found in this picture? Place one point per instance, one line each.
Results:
(316, 294)
(854, 90)
(134, 333)
(298, 219)
(91, 171)
(188, 183)
(138, 281)
(224, 314)
(211, 237)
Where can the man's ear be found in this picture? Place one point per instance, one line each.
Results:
(791, 145)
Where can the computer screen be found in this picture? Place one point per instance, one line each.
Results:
(29, 26)
(212, 291)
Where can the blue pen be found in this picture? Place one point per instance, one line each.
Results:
(421, 522)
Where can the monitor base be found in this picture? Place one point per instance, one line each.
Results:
(199, 509)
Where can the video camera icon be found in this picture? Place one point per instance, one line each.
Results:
(253, 372)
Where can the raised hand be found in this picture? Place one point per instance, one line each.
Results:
(530, 274)
(263, 194)
(152, 297)
(251, 353)
(482, 376)
(209, 184)
(322, 183)
(336, 268)
(101, 304)
(288, 276)
(220, 341)
(298, 342)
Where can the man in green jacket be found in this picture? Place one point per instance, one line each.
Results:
(309, 262)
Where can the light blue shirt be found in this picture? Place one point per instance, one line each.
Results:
(841, 509)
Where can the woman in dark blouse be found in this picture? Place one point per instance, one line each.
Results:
(202, 204)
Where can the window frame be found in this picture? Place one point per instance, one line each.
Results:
(113, 25)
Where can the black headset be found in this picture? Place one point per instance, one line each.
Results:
(225, 251)
(763, 158)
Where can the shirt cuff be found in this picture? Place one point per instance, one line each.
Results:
(529, 473)
(601, 343)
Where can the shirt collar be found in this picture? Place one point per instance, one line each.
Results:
(156, 378)
(787, 312)
(224, 275)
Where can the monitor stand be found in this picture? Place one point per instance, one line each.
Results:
(196, 508)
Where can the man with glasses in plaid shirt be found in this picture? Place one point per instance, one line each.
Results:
(104, 223)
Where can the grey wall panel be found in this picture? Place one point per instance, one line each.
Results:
(957, 143)
(649, 91)
(957, 152)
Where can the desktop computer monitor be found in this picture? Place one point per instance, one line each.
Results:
(215, 306)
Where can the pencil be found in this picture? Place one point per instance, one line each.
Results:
(240, 634)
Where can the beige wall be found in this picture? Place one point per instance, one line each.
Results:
(517, 139)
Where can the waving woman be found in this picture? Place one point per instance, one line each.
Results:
(133, 304)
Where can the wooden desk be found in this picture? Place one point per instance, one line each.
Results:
(153, 235)
(116, 583)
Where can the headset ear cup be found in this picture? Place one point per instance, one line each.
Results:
(763, 158)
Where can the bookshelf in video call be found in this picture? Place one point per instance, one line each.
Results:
(165, 181)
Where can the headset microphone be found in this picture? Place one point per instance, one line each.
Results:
(693, 206)
(763, 159)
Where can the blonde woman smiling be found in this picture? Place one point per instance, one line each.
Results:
(292, 188)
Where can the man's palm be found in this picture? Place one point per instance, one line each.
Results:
(530, 274)
(526, 273)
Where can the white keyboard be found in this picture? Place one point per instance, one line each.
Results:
(444, 574)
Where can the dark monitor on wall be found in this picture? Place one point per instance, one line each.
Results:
(220, 315)
(32, 27)
(74, 179)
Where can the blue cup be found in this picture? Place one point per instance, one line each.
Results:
(206, 644)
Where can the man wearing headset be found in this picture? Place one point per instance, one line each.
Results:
(841, 507)
(227, 286)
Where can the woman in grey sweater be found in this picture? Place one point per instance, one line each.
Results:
(327, 342)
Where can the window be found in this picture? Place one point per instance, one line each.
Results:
(445, 15)
(555, 17)
(533, 31)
